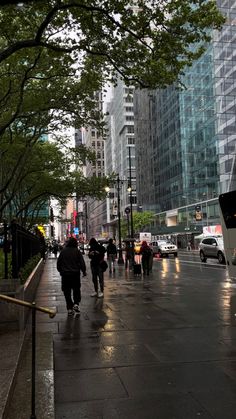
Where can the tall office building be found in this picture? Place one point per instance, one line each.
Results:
(96, 210)
(120, 151)
(190, 137)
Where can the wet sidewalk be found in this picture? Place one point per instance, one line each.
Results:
(157, 347)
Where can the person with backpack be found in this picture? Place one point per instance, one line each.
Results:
(69, 263)
(96, 256)
(111, 255)
(146, 253)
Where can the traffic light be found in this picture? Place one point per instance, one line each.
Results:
(198, 213)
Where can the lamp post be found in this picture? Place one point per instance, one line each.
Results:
(120, 260)
(131, 206)
(127, 211)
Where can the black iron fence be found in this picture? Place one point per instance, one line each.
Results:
(17, 246)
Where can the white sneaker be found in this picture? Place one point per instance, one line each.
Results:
(94, 294)
(70, 312)
(76, 308)
(100, 294)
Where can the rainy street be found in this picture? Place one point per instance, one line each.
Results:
(160, 346)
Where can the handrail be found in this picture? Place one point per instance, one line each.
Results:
(33, 307)
(46, 310)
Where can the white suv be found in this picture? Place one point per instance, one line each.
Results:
(212, 247)
(164, 248)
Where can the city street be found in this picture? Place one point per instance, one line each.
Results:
(157, 347)
(117, 128)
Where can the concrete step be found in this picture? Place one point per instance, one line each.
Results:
(18, 404)
(11, 343)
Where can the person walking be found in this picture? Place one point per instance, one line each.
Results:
(55, 248)
(96, 256)
(69, 263)
(111, 255)
(128, 255)
(145, 251)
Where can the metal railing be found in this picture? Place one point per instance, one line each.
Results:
(34, 308)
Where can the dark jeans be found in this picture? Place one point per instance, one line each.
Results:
(71, 283)
(97, 275)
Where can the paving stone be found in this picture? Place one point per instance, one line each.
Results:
(88, 385)
(156, 348)
(171, 407)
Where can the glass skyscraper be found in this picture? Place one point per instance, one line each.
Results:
(189, 134)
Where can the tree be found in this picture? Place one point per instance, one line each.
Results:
(44, 172)
(55, 54)
(146, 42)
(141, 220)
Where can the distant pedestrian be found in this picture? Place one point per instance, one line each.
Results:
(189, 245)
(96, 256)
(128, 255)
(55, 249)
(146, 253)
(111, 255)
(70, 262)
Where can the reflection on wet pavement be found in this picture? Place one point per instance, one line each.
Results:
(168, 338)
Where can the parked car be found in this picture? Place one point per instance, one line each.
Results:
(212, 247)
(164, 248)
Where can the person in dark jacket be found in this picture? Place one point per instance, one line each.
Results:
(69, 263)
(146, 252)
(96, 255)
(128, 255)
(55, 249)
(111, 255)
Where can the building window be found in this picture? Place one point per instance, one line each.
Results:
(134, 200)
(129, 99)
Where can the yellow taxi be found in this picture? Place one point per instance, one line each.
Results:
(137, 246)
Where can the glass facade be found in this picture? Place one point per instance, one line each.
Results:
(190, 133)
